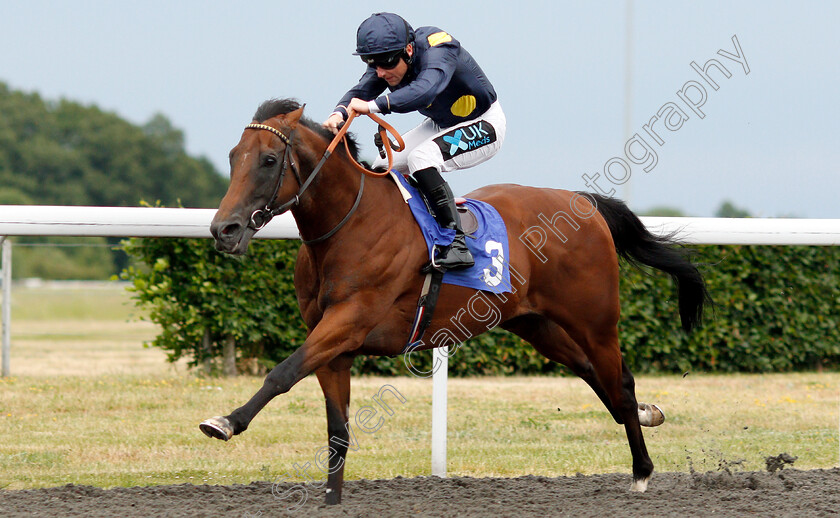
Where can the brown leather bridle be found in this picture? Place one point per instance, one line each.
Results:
(261, 217)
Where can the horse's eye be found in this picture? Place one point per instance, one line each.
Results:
(269, 161)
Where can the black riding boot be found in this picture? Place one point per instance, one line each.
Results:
(437, 192)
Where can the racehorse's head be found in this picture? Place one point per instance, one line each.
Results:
(259, 164)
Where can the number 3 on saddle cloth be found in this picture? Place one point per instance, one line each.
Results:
(486, 239)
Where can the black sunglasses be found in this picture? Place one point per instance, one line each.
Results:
(385, 61)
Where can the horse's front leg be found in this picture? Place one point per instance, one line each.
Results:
(342, 329)
(279, 381)
(335, 382)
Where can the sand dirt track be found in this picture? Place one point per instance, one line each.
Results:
(788, 492)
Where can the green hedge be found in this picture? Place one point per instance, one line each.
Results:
(191, 290)
(776, 310)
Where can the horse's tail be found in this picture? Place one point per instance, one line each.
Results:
(638, 246)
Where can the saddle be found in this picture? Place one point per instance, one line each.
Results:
(469, 223)
(486, 238)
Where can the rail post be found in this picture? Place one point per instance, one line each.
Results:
(7, 306)
(439, 411)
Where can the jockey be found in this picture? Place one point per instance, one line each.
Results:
(427, 71)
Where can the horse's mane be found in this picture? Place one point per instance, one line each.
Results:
(275, 107)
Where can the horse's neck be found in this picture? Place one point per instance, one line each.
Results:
(332, 196)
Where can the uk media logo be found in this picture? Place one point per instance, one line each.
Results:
(466, 138)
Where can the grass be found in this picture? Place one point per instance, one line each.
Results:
(88, 405)
(71, 301)
(82, 329)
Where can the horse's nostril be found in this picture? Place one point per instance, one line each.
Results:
(230, 229)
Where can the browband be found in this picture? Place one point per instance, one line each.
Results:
(276, 131)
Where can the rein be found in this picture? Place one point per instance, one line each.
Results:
(261, 217)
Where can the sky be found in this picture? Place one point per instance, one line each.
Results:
(576, 80)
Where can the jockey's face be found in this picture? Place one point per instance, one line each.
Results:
(393, 76)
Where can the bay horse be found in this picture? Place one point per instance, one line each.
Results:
(357, 276)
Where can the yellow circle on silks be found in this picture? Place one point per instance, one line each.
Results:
(463, 106)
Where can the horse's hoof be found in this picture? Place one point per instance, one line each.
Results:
(650, 415)
(640, 485)
(217, 427)
(333, 497)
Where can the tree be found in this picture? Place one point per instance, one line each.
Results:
(728, 210)
(66, 153)
(664, 212)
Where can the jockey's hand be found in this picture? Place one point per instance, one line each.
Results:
(334, 122)
(359, 106)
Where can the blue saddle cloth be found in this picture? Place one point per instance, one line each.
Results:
(488, 244)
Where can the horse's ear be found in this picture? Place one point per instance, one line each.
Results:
(293, 117)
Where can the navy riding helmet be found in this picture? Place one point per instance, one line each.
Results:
(383, 33)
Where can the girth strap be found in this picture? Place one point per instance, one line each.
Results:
(425, 309)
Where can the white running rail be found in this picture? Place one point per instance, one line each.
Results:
(20, 220)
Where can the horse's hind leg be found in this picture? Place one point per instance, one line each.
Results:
(601, 347)
(599, 363)
(550, 340)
